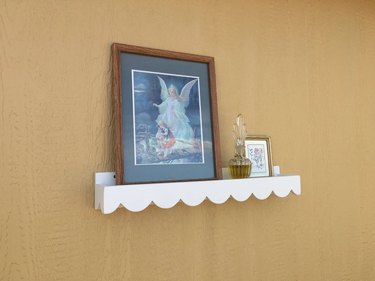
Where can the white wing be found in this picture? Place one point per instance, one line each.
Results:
(164, 90)
(186, 92)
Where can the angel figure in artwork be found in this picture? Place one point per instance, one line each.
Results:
(172, 113)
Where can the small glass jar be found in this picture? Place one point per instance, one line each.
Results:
(239, 165)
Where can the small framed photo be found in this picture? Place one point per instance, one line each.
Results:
(166, 124)
(258, 150)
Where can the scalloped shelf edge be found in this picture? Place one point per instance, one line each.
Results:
(136, 198)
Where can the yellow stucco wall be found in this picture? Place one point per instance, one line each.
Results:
(299, 71)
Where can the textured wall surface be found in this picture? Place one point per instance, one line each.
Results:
(299, 71)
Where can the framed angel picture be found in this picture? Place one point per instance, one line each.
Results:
(166, 125)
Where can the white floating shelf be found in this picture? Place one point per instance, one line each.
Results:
(137, 197)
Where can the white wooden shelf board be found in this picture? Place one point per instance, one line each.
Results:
(137, 197)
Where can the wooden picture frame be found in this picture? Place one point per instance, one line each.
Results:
(166, 120)
(258, 150)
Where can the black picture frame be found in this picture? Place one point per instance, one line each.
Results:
(166, 119)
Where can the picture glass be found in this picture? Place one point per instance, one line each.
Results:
(256, 151)
(167, 129)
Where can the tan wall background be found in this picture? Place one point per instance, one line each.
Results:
(299, 71)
